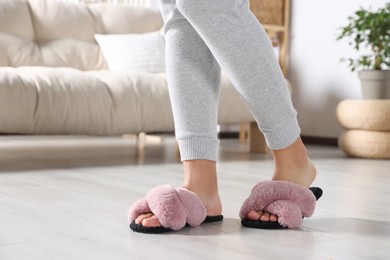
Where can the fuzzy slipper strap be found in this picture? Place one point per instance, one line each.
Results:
(195, 209)
(288, 212)
(173, 207)
(138, 208)
(167, 207)
(266, 192)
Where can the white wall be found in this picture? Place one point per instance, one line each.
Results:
(320, 80)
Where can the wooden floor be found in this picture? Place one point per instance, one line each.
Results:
(67, 198)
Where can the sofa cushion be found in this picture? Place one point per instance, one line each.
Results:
(58, 20)
(74, 53)
(15, 18)
(16, 52)
(123, 19)
(42, 100)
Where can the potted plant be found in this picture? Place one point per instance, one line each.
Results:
(368, 33)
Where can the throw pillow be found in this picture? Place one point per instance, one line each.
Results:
(141, 52)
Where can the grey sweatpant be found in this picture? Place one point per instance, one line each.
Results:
(203, 36)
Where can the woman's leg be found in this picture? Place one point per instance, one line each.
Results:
(244, 51)
(194, 84)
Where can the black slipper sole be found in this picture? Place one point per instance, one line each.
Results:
(275, 225)
(159, 230)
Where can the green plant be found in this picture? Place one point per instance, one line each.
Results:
(369, 30)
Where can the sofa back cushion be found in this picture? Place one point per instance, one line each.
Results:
(61, 34)
(15, 18)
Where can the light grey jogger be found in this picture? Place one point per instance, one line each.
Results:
(203, 36)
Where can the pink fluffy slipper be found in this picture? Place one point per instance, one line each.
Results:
(289, 201)
(174, 207)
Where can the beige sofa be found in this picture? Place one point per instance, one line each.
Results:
(54, 78)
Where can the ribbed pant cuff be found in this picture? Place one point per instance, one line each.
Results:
(198, 148)
(278, 140)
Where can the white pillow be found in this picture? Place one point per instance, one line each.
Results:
(141, 52)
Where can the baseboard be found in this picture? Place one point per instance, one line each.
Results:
(228, 135)
(323, 141)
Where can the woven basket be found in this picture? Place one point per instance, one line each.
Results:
(268, 11)
(371, 115)
(366, 144)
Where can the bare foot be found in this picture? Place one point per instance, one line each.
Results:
(200, 177)
(293, 165)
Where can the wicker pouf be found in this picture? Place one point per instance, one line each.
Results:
(366, 144)
(368, 128)
(365, 114)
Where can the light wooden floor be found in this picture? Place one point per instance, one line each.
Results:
(67, 198)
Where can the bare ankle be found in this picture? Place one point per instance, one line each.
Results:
(200, 177)
(296, 153)
(200, 173)
(292, 164)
